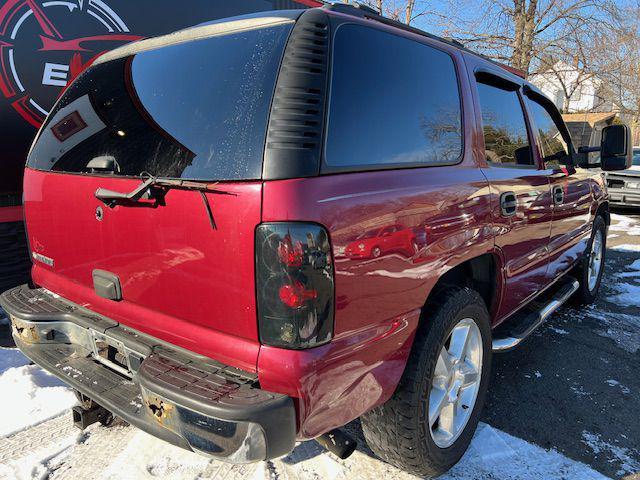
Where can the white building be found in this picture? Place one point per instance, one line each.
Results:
(584, 89)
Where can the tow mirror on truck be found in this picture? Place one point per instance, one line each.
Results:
(616, 148)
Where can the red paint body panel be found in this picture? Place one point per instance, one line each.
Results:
(11, 214)
(362, 365)
(182, 281)
(337, 382)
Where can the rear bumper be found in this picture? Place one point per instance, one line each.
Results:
(185, 399)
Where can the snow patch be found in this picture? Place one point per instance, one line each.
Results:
(147, 457)
(629, 295)
(12, 358)
(619, 455)
(41, 463)
(35, 395)
(622, 223)
(615, 383)
(579, 391)
(495, 454)
(623, 329)
(635, 271)
(626, 248)
(559, 331)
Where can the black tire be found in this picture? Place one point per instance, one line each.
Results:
(585, 295)
(376, 252)
(398, 431)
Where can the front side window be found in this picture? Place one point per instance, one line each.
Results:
(194, 110)
(394, 102)
(505, 131)
(553, 146)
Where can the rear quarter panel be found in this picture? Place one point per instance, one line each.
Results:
(378, 301)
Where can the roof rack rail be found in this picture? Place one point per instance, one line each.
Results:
(364, 11)
(351, 8)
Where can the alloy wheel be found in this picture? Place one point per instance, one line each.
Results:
(455, 383)
(595, 260)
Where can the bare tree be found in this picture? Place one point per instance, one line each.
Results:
(574, 65)
(406, 11)
(620, 67)
(521, 32)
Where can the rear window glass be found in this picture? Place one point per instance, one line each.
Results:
(394, 101)
(195, 110)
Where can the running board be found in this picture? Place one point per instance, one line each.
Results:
(532, 321)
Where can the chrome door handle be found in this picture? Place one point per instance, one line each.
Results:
(558, 195)
(508, 204)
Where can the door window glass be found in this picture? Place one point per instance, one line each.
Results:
(505, 131)
(553, 146)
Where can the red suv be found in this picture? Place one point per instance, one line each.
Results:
(186, 197)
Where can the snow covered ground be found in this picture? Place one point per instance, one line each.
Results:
(37, 439)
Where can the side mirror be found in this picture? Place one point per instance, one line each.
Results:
(616, 150)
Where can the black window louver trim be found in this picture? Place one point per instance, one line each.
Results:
(294, 136)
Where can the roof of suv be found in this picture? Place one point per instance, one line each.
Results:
(268, 18)
(204, 30)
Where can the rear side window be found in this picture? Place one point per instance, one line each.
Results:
(506, 142)
(553, 146)
(394, 102)
(195, 110)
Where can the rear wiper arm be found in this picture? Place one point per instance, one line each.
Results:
(143, 191)
(111, 197)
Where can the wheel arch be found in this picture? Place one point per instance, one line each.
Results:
(481, 273)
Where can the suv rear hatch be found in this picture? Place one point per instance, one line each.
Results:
(194, 106)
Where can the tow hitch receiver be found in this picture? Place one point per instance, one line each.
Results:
(83, 417)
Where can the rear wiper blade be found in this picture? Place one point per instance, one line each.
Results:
(111, 197)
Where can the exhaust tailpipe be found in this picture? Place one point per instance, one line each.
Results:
(338, 442)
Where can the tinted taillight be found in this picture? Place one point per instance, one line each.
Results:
(294, 282)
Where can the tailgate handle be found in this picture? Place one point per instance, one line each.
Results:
(107, 285)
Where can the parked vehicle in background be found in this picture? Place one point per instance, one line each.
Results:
(184, 225)
(624, 186)
(380, 241)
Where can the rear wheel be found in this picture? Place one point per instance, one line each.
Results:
(591, 267)
(427, 425)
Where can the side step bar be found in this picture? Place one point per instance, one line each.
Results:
(532, 321)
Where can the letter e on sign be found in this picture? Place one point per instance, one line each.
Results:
(55, 74)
